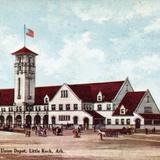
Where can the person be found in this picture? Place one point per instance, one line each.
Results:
(75, 133)
(79, 130)
(146, 130)
(36, 130)
(101, 136)
(94, 128)
(154, 130)
(45, 131)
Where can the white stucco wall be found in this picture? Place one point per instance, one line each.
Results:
(71, 99)
(80, 114)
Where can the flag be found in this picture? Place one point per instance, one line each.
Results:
(29, 32)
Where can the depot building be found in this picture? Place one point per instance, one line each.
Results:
(109, 104)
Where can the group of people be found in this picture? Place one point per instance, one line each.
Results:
(40, 131)
(153, 131)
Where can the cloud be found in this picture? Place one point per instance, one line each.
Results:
(143, 73)
(76, 61)
(138, 68)
(9, 43)
(146, 7)
(154, 26)
(102, 11)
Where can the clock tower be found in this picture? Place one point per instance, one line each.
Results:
(25, 69)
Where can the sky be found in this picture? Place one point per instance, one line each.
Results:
(82, 41)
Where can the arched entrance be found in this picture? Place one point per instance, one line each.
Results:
(138, 123)
(86, 122)
(75, 120)
(53, 120)
(37, 120)
(1, 120)
(45, 121)
(28, 120)
(18, 120)
(9, 120)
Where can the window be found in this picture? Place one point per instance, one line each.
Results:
(3, 109)
(20, 59)
(64, 118)
(108, 121)
(148, 109)
(31, 108)
(117, 121)
(148, 122)
(122, 110)
(156, 122)
(108, 107)
(122, 121)
(45, 108)
(60, 107)
(39, 109)
(64, 93)
(87, 107)
(53, 107)
(20, 109)
(114, 106)
(67, 107)
(99, 107)
(19, 89)
(147, 99)
(75, 106)
(36, 109)
(126, 87)
(99, 96)
(46, 100)
(27, 108)
(128, 122)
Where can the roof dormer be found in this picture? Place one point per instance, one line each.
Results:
(46, 99)
(99, 96)
(122, 110)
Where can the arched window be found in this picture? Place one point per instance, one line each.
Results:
(99, 96)
(46, 99)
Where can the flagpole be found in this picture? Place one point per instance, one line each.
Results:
(24, 35)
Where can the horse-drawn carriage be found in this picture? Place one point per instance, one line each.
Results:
(57, 130)
(40, 131)
(115, 132)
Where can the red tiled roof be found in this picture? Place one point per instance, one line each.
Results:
(24, 51)
(94, 114)
(40, 93)
(88, 92)
(150, 116)
(6, 97)
(130, 102)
